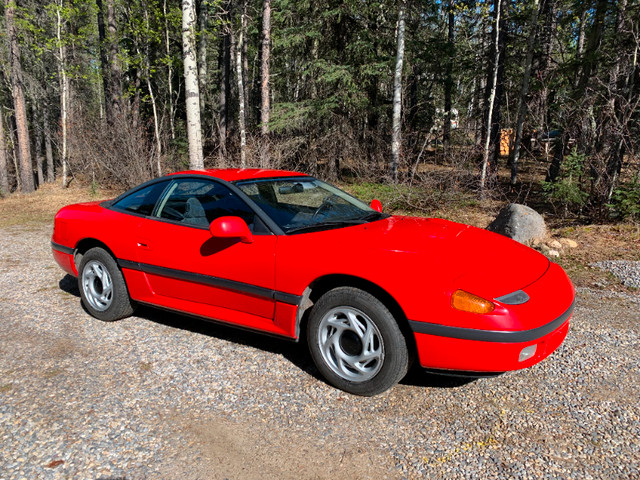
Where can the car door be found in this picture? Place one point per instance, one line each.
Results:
(190, 270)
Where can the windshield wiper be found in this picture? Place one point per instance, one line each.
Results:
(327, 225)
(373, 216)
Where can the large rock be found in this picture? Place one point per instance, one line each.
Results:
(519, 222)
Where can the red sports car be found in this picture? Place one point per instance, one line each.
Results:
(284, 253)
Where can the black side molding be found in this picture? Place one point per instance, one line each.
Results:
(491, 335)
(281, 297)
(62, 248)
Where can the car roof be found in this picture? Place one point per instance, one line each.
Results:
(236, 174)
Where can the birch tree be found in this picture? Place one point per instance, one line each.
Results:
(448, 81)
(492, 94)
(192, 90)
(397, 94)
(63, 78)
(241, 93)
(224, 63)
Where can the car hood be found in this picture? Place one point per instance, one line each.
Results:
(476, 260)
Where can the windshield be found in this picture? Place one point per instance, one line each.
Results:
(306, 204)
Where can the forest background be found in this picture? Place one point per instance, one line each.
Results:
(535, 101)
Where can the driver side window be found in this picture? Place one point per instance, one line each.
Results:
(198, 202)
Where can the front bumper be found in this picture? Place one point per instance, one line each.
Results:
(495, 352)
(495, 342)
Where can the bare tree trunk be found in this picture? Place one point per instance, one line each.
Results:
(48, 148)
(225, 85)
(172, 109)
(38, 146)
(104, 61)
(14, 153)
(265, 109)
(524, 91)
(245, 62)
(192, 91)
(4, 172)
(156, 120)
(241, 103)
(496, 128)
(581, 38)
(116, 70)
(593, 45)
(618, 84)
(448, 83)
(64, 94)
(492, 95)
(156, 127)
(22, 123)
(397, 95)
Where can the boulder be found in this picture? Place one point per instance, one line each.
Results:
(520, 223)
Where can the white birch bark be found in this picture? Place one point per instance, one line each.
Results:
(397, 95)
(192, 90)
(64, 94)
(241, 112)
(492, 96)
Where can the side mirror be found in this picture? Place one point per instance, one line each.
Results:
(376, 205)
(231, 227)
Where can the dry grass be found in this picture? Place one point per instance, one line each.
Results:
(598, 243)
(40, 207)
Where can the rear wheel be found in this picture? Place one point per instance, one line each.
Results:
(102, 287)
(356, 343)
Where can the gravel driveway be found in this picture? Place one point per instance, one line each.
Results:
(161, 396)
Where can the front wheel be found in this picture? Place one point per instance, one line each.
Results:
(356, 343)
(102, 287)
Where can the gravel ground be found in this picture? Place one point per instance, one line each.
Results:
(160, 396)
(627, 271)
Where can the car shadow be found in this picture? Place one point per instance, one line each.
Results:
(69, 284)
(419, 377)
(296, 352)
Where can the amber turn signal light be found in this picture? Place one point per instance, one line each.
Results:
(468, 302)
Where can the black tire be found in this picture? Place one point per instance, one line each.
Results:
(102, 287)
(356, 342)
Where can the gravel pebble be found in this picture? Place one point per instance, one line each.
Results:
(626, 270)
(161, 396)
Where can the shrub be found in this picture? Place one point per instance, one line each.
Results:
(567, 191)
(625, 200)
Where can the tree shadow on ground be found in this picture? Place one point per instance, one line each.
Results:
(296, 352)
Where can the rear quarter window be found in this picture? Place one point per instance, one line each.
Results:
(142, 201)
